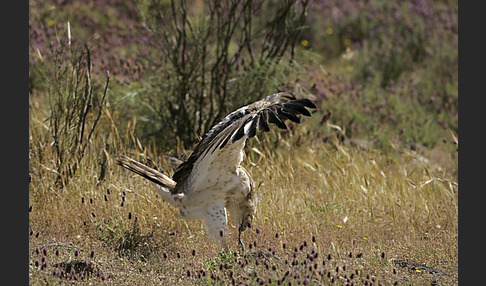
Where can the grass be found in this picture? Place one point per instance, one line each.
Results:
(379, 206)
(355, 213)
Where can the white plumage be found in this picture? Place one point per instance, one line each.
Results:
(212, 181)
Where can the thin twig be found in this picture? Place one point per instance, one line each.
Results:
(60, 244)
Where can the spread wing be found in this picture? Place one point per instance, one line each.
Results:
(221, 148)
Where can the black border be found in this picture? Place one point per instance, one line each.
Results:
(14, 138)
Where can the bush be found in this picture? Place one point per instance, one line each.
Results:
(75, 103)
(215, 60)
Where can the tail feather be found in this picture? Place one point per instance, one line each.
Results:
(146, 172)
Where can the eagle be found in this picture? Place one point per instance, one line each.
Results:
(212, 182)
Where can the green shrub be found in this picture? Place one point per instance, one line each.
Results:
(75, 103)
(215, 60)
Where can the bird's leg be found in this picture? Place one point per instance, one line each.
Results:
(217, 224)
(240, 243)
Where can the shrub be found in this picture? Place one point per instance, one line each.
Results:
(75, 103)
(216, 60)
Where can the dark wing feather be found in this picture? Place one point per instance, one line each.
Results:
(305, 102)
(297, 107)
(274, 118)
(240, 124)
(239, 133)
(225, 141)
(262, 122)
(252, 128)
(288, 114)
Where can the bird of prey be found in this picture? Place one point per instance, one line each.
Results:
(212, 180)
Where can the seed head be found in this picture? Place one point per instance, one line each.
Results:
(74, 275)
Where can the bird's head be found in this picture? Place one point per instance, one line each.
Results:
(246, 222)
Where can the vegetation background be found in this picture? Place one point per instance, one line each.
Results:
(363, 192)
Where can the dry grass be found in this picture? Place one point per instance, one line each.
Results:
(328, 212)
